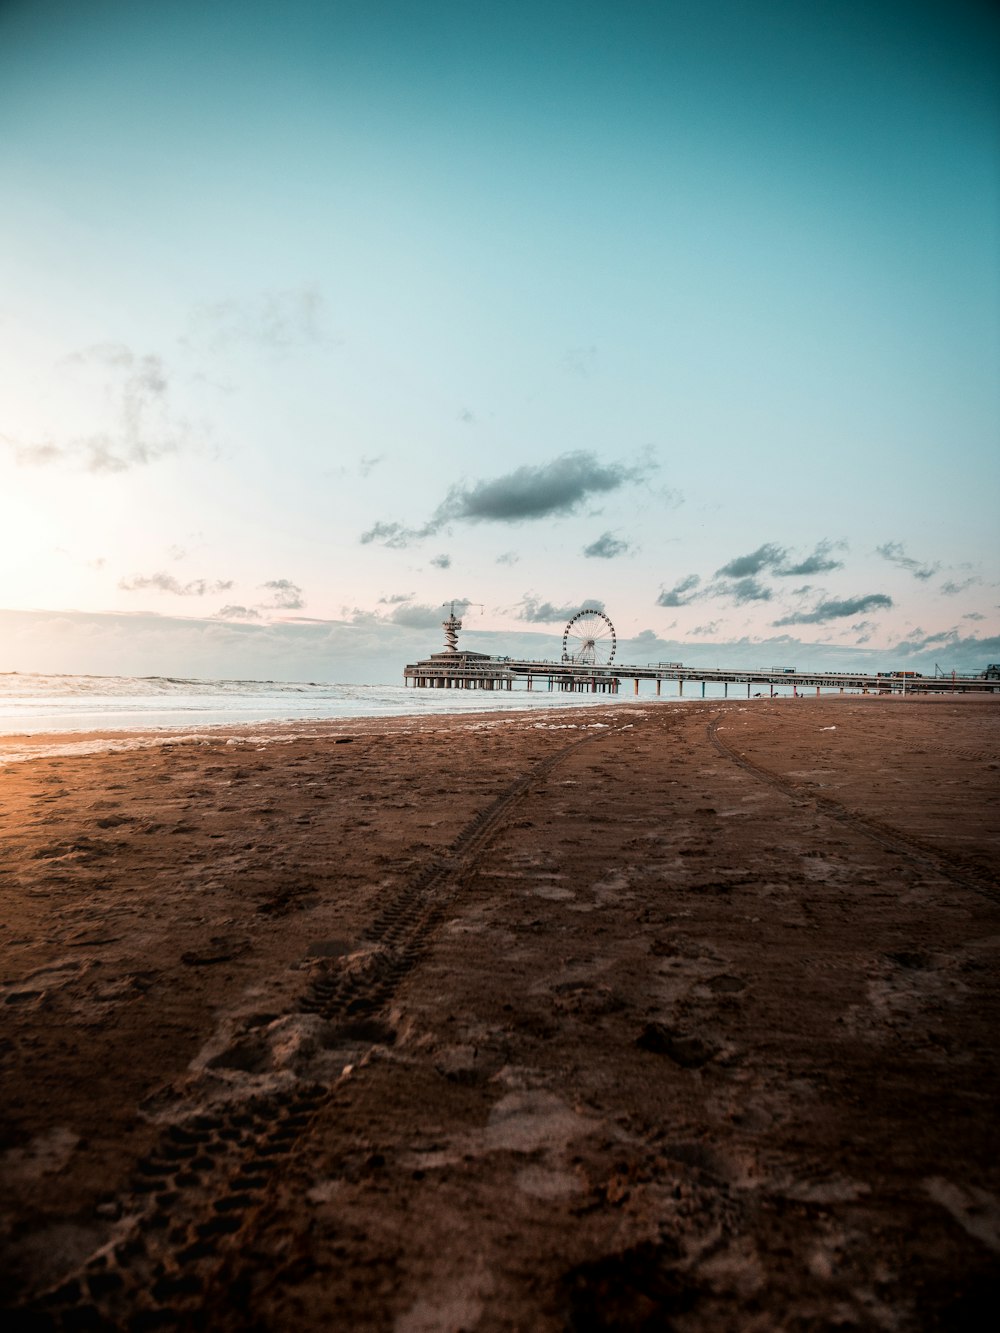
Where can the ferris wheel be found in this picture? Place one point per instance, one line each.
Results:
(589, 639)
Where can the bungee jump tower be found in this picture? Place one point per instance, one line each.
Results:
(454, 669)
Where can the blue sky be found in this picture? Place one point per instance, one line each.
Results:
(316, 316)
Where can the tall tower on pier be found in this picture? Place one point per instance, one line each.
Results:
(451, 626)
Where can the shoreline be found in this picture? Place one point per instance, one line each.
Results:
(508, 1020)
(24, 746)
(21, 746)
(127, 731)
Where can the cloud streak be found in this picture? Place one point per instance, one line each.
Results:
(544, 613)
(140, 427)
(550, 490)
(555, 488)
(743, 591)
(274, 320)
(744, 566)
(837, 610)
(606, 547)
(895, 553)
(681, 594)
(161, 582)
(774, 558)
(820, 562)
(952, 589)
(285, 596)
(393, 535)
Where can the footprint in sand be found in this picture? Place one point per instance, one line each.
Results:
(44, 1154)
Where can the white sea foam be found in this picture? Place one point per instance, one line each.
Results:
(68, 706)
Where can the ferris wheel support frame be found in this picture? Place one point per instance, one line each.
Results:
(592, 641)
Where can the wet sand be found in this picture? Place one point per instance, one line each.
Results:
(653, 1016)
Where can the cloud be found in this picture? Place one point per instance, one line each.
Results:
(161, 582)
(549, 490)
(967, 655)
(467, 417)
(536, 612)
(285, 596)
(427, 617)
(274, 320)
(606, 547)
(836, 610)
(646, 638)
(919, 640)
(393, 535)
(396, 598)
(138, 428)
(681, 593)
(738, 581)
(820, 562)
(441, 561)
(142, 414)
(370, 649)
(559, 487)
(711, 628)
(973, 615)
(896, 555)
(363, 468)
(508, 558)
(772, 557)
(765, 557)
(952, 589)
(38, 455)
(743, 591)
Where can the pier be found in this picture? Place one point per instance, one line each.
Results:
(588, 667)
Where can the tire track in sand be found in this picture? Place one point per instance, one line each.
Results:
(193, 1198)
(886, 835)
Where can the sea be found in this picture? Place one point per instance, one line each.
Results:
(78, 714)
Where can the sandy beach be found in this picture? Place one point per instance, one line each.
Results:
(641, 1017)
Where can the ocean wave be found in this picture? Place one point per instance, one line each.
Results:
(32, 705)
(25, 685)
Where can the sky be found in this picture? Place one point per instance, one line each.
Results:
(315, 317)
